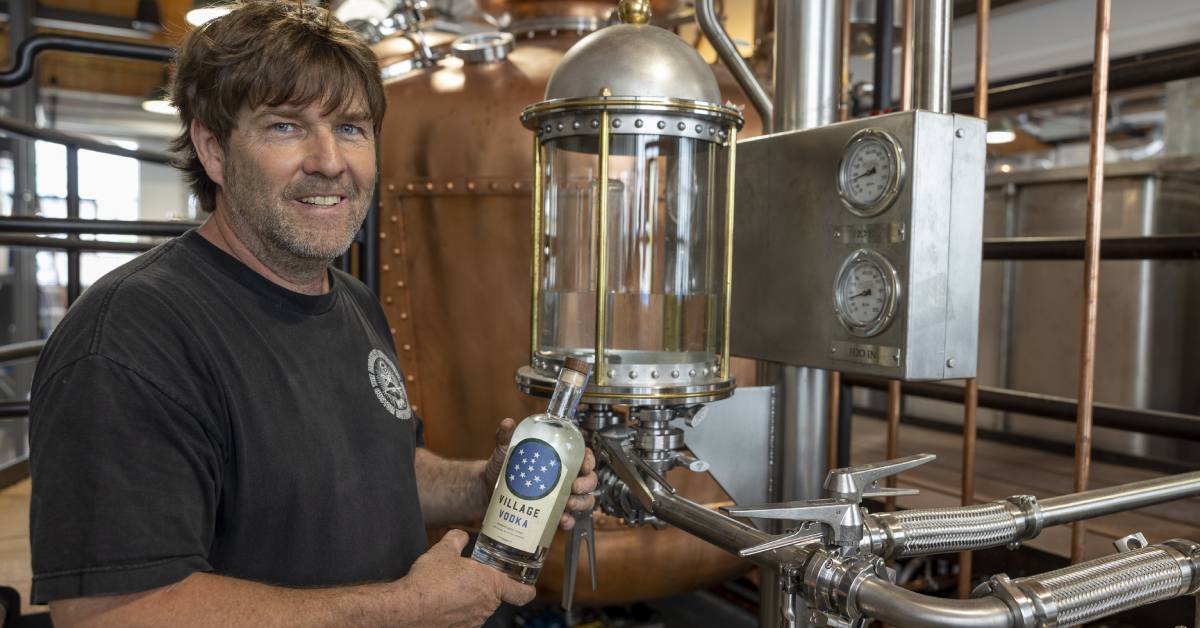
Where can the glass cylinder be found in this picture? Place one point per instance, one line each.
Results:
(664, 256)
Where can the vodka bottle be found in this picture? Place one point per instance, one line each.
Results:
(543, 458)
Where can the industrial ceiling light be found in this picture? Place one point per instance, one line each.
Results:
(1001, 133)
(206, 10)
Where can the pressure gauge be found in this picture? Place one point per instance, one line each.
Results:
(866, 292)
(870, 173)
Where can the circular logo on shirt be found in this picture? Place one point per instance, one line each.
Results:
(533, 469)
(388, 385)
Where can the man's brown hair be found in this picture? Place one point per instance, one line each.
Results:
(267, 53)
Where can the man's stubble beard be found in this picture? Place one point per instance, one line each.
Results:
(276, 234)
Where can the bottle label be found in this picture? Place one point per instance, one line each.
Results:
(522, 507)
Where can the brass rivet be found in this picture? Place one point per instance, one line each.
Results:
(391, 186)
(416, 408)
(394, 218)
(399, 284)
(411, 378)
(449, 185)
(382, 235)
(393, 330)
(403, 316)
(470, 185)
(407, 347)
(395, 251)
(429, 186)
(493, 185)
(386, 267)
(387, 299)
(516, 185)
(410, 187)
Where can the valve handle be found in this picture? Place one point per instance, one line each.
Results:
(800, 536)
(854, 483)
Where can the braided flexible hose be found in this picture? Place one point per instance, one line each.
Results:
(938, 530)
(1108, 585)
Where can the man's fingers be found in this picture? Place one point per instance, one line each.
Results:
(454, 540)
(581, 503)
(514, 592)
(589, 462)
(504, 432)
(584, 484)
(566, 522)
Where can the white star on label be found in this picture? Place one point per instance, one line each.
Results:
(527, 483)
(543, 469)
(524, 461)
(537, 478)
(522, 475)
(520, 452)
(552, 463)
(537, 455)
(531, 468)
(511, 478)
(542, 487)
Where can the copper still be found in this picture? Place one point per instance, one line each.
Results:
(455, 213)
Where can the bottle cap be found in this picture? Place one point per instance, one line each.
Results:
(578, 365)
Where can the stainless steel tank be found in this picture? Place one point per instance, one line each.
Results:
(455, 180)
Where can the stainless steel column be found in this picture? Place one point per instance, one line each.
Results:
(806, 63)
(931, 54)
(806, 96)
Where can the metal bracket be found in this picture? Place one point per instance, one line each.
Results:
(1134, 541)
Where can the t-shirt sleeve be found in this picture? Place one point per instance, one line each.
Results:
(125, 483)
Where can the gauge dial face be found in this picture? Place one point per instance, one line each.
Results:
(870, 173)
(865, 293)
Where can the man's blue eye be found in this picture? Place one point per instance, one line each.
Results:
(282, 127)
(350, 129)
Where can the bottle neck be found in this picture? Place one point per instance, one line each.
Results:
(567, 393)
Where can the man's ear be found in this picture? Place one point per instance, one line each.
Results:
(209, 151)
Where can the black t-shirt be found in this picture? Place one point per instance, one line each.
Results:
(189, 415)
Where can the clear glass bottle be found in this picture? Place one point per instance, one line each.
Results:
(531, 493)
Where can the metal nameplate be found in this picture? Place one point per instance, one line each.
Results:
(875, 355)
(870, 233)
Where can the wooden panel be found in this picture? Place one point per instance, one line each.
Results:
(15, 568)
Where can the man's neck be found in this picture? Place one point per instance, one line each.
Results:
(310, 279)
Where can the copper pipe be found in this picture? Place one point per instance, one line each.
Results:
(843, 113)
(536, 250)
(983, 10)
(1091, 266)
(601, 235)
(893, 434)
(835, 401)
(906, 56)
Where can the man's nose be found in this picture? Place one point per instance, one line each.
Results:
(324, 155)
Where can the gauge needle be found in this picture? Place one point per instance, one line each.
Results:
(865, 174)
(864, 293)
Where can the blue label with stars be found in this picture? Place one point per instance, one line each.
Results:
(533, 469)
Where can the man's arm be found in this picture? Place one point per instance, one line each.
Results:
(457, 491)
(442, 589)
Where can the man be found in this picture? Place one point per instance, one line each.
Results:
(219, 433)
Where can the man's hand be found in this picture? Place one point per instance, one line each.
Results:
(580, 500)
(454, 591)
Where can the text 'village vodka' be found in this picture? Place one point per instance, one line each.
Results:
(531, 493)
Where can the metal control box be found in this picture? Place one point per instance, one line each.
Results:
(857, 246)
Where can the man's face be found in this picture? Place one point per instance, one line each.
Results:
(297, 181)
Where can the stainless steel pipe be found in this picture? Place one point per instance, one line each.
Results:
(725, 532)
(1106, 501)
(931, 55)
(806, 63)
(900, 607)
(710, 24)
